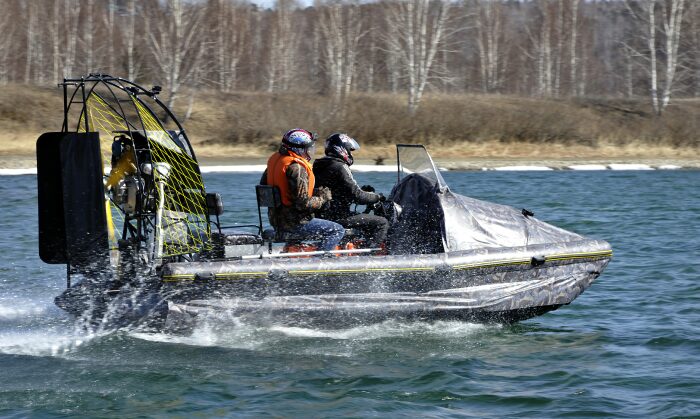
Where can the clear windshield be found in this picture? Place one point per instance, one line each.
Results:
(415, 159)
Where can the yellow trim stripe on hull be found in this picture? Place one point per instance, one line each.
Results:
(492, 264)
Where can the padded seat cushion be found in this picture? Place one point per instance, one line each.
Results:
(237, 239)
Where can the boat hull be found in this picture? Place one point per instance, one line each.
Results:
(485, 285)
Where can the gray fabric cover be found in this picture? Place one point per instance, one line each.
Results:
(471, 224)
(432, 213)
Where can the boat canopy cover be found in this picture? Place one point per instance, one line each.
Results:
(435, 219)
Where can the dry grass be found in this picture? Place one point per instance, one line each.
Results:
(249, 125)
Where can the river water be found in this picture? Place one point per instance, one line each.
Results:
(628, 347)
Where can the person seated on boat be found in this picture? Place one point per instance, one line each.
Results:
(333, 172)
(290, 170)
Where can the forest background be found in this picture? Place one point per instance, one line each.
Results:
(472, 78)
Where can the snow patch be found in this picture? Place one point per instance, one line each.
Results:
(250, 168)
(587, 167)
(629, 166)
(15, 172)
(522, 168)
(372, 168)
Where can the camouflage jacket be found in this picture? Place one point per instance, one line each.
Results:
(286, 218)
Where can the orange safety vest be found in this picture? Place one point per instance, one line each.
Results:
(277, 166)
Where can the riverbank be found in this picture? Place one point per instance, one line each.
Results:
(23, 164)
(462, 132)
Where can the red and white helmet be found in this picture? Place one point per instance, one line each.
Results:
(301, 142)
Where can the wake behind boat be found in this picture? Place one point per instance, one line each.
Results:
(122, 204)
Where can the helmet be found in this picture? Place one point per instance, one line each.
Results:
(340, 146)
(301, 142)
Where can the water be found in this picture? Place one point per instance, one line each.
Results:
(628, 347)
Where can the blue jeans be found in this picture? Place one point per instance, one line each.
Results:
(328, 232)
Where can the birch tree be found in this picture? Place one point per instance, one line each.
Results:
(341, 28)
(71, 25)
(31, 25)
(417, 30)
(573, 65)
(541, 48)
(129, 37)
(55, 30)
(230, 35)
(88, 35)
(660, 23)
(173, 34)
(694, 47)
(490, 32)
(5, 44)
(283, 46)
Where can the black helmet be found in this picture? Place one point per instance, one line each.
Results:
(341, 145)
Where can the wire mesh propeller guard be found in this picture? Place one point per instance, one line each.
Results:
(166, 214)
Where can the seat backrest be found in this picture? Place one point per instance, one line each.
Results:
(215, 205)
(268, 196)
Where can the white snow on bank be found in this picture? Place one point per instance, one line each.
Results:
(14, 172)
(373, 168)
(521, 168)
(629, 166)
(259, 168)
(587, 167)
(669, 167)
(239, 168)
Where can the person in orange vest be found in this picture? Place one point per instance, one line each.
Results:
(290, 170)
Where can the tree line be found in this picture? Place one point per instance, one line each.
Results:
(533, 48)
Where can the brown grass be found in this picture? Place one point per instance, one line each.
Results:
(249, 125)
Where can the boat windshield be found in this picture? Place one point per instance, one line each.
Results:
(414, 158)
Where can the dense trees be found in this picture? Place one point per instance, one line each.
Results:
(547, 48)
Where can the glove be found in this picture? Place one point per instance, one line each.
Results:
(325, 194)
(382, 198)
(367, 188)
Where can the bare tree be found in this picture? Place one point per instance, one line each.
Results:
(129, 37)
(417, 29)
(694, 47)
(31, 25)
(71, 24)
(662, 39)
(532, 47)
(55, 30)
(175, 44)
(109, 22)
(229, 38)
(341, 28)
(572, 48)
(283, 42)
(5, 44)
(489, 22)
(88, 35)
(541, 44)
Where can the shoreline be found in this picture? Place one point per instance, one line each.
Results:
(24, 164)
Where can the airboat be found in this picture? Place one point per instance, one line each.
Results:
(123, 205)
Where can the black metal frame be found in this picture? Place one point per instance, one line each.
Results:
(76, 91)
(259, 197)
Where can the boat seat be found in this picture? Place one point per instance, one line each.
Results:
(235, 239)
(269, 197)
